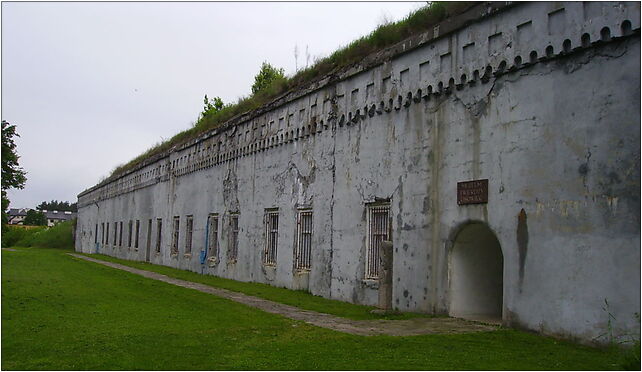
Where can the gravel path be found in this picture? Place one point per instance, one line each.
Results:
(410, 327)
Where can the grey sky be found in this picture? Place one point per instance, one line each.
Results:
(92, 85)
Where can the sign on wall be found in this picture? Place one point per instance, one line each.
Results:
(472, 192)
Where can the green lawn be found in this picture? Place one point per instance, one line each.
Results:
(60, 312)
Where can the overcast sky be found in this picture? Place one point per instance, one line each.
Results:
(92, 85)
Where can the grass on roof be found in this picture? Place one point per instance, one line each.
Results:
(383, 36)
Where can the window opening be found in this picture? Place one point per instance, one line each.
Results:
(303, 248)
(159, 228)
(234, 237)
(212, 239)
(378, 222)
(177, 225)
(189, 227)
(272, 234)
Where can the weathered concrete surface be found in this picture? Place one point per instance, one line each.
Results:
(542, 99)
(411, 327)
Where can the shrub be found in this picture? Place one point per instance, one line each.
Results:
(58, 236)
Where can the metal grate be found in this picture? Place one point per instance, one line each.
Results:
(233, 249)
(137, 234)
(149, 239)
(303, 249)
(120, 236)
(188, 234)
(177, 225)
(129, 235)
(159, 230)
(378, 217)
(272, 234)
(212, 239)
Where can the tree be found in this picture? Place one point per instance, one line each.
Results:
(212, 105)
(35, 218)
(13, 176)
(266, 76)
(55, 205)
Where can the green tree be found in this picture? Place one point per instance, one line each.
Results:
(212, 105)
(35, 218)
(55, 205)
(266, 77)
(13, 176)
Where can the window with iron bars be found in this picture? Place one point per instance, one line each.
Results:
(137, 234)
(189, 228)
(177, 225)
(378, 230)
(212, 239)
(303, 247)
(272, 236)
(159, 229)
(129, 235)
(96, 236)
(107, 234)
(120, 236)
(148, 243)
(233, 248)
(115, 233)
(102, 234)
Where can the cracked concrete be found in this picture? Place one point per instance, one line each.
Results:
(411, 327)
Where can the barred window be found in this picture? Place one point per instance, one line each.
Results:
(272, 236)
(149, 237)
(177, 225)
(102, 234)
(115, 232)
(96, 236)
(233, 249)
(159, 229)
(137, 234)
(189, 227)
(120, 236)
(212, 238)
(378, 223)
(303, 247)
(129, 235)
(107, 234)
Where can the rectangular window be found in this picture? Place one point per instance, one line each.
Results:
(159, 229)
(189, 227)
(102, 234)
(177, 225)
(272, 236)
(212, 238)
(129, 236)
(115, 232)
(107, 234)
(303, 247)
(120, 236)
(96, 236)
(233, 249)
(137, 234)
(149, 235)
(378, 222)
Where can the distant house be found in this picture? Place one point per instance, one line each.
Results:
(55, 217)
(17, 215)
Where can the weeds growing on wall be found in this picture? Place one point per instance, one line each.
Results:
(384, 36)
(58, 236)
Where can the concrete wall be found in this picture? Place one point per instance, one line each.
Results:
(520, 97)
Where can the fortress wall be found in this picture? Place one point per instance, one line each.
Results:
(556, 135)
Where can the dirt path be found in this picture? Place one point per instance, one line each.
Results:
(410, 327)
(9, 249)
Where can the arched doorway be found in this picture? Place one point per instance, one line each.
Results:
(476, 274)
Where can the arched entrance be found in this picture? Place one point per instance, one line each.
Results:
(476, 274)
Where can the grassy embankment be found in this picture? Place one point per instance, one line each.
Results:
(383, 36)
(58, 236)
(59, 312)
